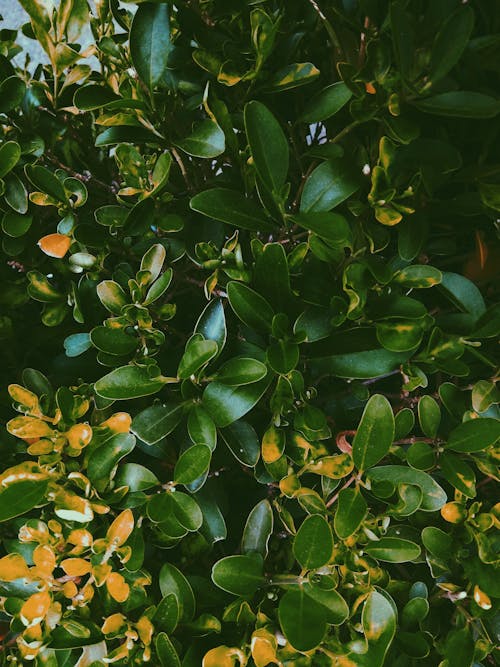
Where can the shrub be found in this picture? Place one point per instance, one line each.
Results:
(249, 328)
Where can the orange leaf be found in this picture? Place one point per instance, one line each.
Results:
(55, 245)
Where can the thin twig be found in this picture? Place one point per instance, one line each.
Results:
(182, 167)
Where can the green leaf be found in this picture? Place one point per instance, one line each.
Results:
(212, 323)
(460, 104)
(437, 542)
(10, 152)
(351, 510)
(313, 543)
(201, 427)
(128, 382)
(197, 354)
(243, 442)
(167, 613)
(16, 195)
(150, 43)
(12, 91)
(375, 433)
(400, 335)
(418, 276)
(268, 145)
(326, 103)
(154, 423)
(429, 416)
(474, 435)
(44, 180)
(152, 261)
(172, 581)
(15, 224)
(302, 619)
(484, 394)
(293, 76)
(187, 511)
(158, 288)
(354, 353)
(433, 495)
(331, 227)
(112, 296)
(166, 652)
(192, 464)
(393, 550)
(282, 356)
(136, 477)
(328, 186)
(333, 604)
(240, 371)
(258, 529)
(113, 341)
(103, 460)
(226, 404)
(272, 276)
(21, 496)
(460, 643)
(252, 309)
(123, 134)
(379, 619)
(239, 575)
(206, 140)
(233, 208)
(450, 42)
(463, 293)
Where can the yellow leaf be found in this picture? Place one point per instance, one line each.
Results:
(79, 435)
(145, 629)
(55, 245)
(29, 427)
(13, 566)
(101, 573)
(334, 467)
(117, 587)
(114, 624)
(73, 508)
(35, 608)
(44, 560)
(121, 528)
(273, 444)
(223, 656)
(76, 567)
(22, 472)
(264, 646)
(118, 423)
(80, 537)
(453, 512)
(27, 399)
(70, 589)
(481, 599)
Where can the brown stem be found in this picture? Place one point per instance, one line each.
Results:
(346, 485)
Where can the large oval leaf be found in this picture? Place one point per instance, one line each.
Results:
(268, 145)
(302, 620)
(239, 575)
(313, 544)
(233, 208)
(150, 43)
(375, 433)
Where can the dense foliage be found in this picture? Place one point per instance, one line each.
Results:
(249, 322)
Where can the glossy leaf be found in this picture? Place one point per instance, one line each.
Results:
(239, 575)
(474, 435)
(150, 43)
(258, 529)
(156, 422)
(227, 404)
(313, 544)
(351, 510)
(328, 186)
(302, 619)
(268, 145)
(375, 433)
(231, 207)
(128, 382)
(192, 464)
